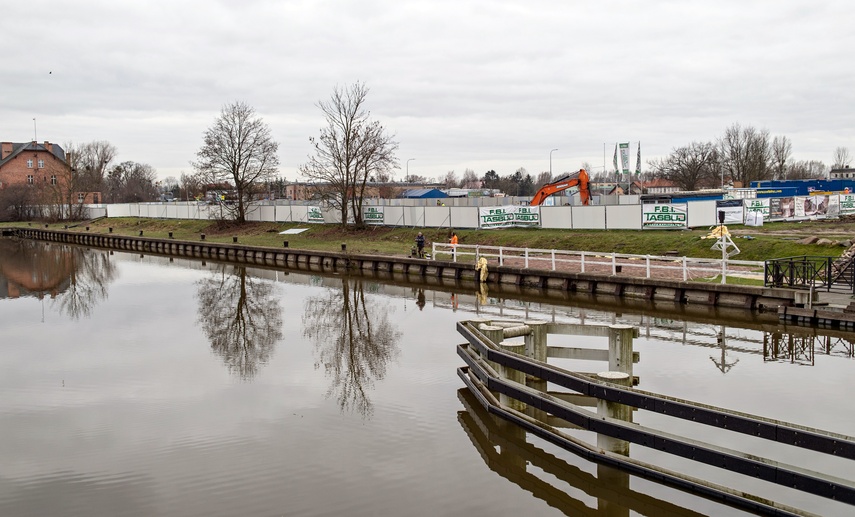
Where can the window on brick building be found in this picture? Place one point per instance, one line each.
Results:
(30, 179)
(41, 164)
(80, 197)
(53, 180)
(29, 164)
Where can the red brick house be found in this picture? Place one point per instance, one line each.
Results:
(44, 166)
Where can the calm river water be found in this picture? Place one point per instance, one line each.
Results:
(143, 386)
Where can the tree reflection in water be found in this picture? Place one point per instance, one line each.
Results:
(240, 317)
(91, 273)
(354, 342)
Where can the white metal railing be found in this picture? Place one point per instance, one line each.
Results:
(582, 260)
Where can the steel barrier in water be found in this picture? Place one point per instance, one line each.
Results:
(509, 379)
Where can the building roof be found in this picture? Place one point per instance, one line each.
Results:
(18, 148)
(424, 193)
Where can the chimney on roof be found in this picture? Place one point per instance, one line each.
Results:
(48, 146)
(5, 150)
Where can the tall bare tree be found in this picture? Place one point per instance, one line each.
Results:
(348, 151)
(745, 154)
(240, 149)
(841, 158)
(690, 167)
(782, 148)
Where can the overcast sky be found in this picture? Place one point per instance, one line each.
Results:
(462, 84)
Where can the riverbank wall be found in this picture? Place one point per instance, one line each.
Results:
(691, 293)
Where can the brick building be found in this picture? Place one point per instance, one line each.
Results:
(43, 166)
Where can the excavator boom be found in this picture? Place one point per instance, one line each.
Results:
(578, 179)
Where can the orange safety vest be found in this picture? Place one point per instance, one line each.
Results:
(454, 239)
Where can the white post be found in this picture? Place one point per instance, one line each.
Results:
(501, 257)
(647, 260)
(583, 261)
(553, 260)
(433, 251)
(685, 271)
(614, 264)
(526, 258)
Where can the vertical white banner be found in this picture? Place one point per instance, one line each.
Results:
(624, 157)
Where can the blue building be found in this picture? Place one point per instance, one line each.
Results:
(802, 187)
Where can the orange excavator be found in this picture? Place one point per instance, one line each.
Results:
(577, 179)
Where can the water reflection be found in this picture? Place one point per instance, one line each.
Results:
(240, 317)
(354, 342)
(506, 451)
(75, 278)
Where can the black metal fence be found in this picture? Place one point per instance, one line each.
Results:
(806, 272)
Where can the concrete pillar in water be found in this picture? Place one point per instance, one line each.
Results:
(495, 335)
(620, 348)
(610, 476)
(517, 347)
(535, 348)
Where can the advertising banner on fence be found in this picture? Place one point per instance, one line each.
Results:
(811, 206)
(508, 216)
(781, 208)
(847, 204)
(758, 205)
(373, 215)
(664, 216)
(315, 215)
(734, 210)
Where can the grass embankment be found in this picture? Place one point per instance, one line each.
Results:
(774, 240)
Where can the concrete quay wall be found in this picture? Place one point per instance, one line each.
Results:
(691, 293)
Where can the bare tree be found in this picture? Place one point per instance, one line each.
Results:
(470, 179)
(782, 148)
(745, 154)
(349, 150)
(806, 169)
(240, 149)
(131, 182)
(841, 158)
(191, 185)
(450, 180)
(542, 179)
(690, 167)
(82, 177)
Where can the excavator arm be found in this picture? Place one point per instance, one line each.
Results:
(577, 179)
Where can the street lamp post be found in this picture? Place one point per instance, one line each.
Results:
(550, 164)
(408, 168)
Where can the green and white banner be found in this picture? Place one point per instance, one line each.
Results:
(508, 216)
(664, 215)
(315, 215)
(373, 215)
(624, 157)
(847, 203)
(758, 205)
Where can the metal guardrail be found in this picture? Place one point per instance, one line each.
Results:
(810, 272)
(552, 259)
(497, 373)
